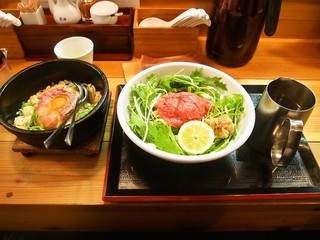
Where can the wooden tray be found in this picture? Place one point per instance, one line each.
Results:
(134, 175)
(111, 42)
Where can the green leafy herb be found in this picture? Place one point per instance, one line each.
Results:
(150, 128)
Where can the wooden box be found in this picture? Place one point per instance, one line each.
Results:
(111, 42)
(163, 42)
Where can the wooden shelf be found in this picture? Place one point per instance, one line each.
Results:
(111, 42)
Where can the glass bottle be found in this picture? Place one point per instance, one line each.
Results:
(84, 6)
(5, 69)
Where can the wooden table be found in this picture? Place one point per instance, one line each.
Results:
(63, 192)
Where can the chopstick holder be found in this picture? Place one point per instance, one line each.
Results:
(34, 18)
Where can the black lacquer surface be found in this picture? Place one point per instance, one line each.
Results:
(133, 174)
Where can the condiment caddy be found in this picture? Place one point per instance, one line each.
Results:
(112, 41)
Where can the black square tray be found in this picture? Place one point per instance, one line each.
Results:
(134, 175)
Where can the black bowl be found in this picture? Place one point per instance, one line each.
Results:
(35, 78)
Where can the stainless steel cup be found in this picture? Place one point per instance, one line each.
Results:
(281, 114)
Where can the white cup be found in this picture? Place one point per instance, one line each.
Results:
(75, 48)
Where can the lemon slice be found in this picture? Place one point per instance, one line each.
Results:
(195, 137)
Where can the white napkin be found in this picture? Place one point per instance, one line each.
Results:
(7, 19)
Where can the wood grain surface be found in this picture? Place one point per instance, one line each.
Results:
(63, 192)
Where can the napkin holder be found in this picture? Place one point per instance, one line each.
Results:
(163, 42)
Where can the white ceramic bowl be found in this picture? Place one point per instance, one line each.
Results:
(245, 127)
(104, 12)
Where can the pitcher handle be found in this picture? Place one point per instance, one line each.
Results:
(286, 143)
(272, 18)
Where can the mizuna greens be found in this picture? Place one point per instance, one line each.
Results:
(146, 124)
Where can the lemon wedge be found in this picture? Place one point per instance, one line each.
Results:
(195, 137)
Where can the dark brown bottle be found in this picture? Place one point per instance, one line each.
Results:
(236, 26)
